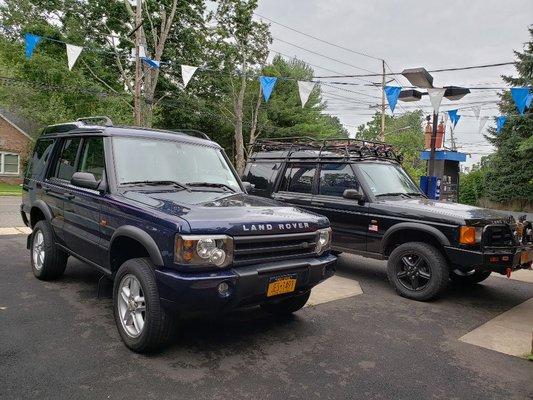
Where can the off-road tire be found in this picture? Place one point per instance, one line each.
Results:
(158, 323)
(469, 278)
(287, 305)
(55, 259)
(434, 263)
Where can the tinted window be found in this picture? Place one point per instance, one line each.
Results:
(66, 163)
(262, 175)
(92, 157)
(41, 154)
(299, 178)
(336, 178)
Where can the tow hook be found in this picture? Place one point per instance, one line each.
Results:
(508, 272)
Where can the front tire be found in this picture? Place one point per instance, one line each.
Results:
(143, 324)
(469, 277)
(418, 271)
(47, 260)
(288, 305)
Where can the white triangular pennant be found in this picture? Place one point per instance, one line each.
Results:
(73, 52)
(187, 72)
(435, 96)
(142, 53)
(305, 89)
(477, 111)
(482, 122)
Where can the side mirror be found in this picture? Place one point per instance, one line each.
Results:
(85, 180)
(247, 186)
(353, 194)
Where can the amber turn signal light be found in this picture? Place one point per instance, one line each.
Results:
(467, 235)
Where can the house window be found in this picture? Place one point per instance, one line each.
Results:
(9, 163)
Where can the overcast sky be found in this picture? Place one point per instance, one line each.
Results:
(406, 33)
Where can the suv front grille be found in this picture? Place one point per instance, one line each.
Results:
(498, 235)
(265, 248)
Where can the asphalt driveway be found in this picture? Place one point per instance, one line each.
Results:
(58, 340)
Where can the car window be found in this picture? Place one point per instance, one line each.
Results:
(92, 157)
(336, 178)
(66, 163)
(41, 154)
(299, 178)
(262, 175)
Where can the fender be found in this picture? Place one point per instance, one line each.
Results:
(45, 209)
(142, 237)
(414, 226)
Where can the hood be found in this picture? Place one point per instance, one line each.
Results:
(437, 211)
(215, 212)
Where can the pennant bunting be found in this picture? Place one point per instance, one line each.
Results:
(519, 95)
(392, 93)
(454, 118)
(435, 96)
(31, 42)
(477, 111)
(142, 53)
(305, 89)
(500, 122)
(151, 63)
(482, 122)
(73, 52)
(267, 85)
(187, 72)
(529, 99)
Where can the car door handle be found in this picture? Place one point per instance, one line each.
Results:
(317, 203)
(68, 196)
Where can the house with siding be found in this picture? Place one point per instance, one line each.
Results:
(16, 139)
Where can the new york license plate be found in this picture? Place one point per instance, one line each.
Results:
(281, 284)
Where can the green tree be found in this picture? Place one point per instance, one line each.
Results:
(473, 184)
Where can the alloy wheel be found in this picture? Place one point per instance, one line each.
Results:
(413, 272)
(131, 305)
(38, 251)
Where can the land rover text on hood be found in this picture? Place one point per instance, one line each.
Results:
(165, 216)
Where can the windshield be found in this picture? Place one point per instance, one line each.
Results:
(146, 160)
(388, 179)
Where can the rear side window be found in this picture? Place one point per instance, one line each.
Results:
(299, 178)
(41, 155)
(262, 175)
(336, 178)
(92, 157)
(66, 163)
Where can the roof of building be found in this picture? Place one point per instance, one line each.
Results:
(28, 128)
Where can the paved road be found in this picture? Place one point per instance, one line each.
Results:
(59, 341)
(9, 211)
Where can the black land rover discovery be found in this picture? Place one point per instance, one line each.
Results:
(164, 215)
(377, 211)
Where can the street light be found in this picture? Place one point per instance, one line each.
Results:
(418, 77)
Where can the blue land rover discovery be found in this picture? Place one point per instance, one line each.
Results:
(166, 217)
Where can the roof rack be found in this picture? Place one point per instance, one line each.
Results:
(104, 118)
(343, 148)
(80, 122)
(193, 132)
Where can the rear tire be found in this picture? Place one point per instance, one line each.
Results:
(47, 260)
(288, 305)
(468, 278)
(143, 324)
(418, 271)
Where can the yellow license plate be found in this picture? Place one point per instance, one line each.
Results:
(526, 257)
(281, 285)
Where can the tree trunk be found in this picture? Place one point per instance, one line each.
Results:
(239, 140)
(254, 133)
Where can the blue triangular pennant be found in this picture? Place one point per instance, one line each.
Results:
(151, 63)
(267, 85)
(392, 93)
(31, 41)
(519, 95)
(454, 117)
(500, 122)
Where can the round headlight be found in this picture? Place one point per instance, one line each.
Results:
(218, 256)
(205, 247)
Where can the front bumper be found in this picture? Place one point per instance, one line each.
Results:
(496, 259)
(191, 293)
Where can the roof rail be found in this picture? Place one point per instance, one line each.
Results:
(106, 119)
(329, 148)
(193, 132)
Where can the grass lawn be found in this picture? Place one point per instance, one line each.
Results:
(10, 190)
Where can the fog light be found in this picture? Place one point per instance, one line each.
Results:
(223, 289)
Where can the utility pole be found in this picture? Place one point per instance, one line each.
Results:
(382, 134)
(137, 107)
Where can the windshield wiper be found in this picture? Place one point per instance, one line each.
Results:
(394, 194)
(156, 183)
(212, 184)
